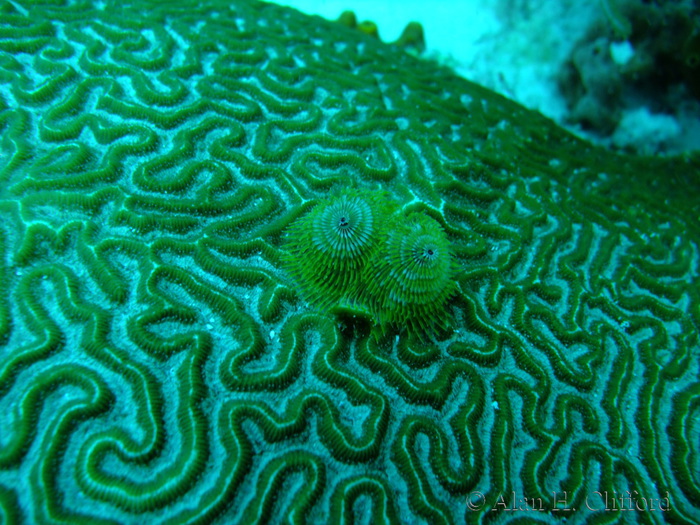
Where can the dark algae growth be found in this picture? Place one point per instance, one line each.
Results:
(261, 267)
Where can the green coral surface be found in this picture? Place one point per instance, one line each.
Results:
(159, 365)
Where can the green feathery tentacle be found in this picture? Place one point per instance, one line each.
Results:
(410, 276)
(352, 251)
(329, 247)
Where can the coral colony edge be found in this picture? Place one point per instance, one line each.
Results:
(259, 267)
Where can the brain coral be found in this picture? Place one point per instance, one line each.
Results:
(157, 366)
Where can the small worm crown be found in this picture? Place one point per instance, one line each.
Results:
(411, 277)
(358, 249)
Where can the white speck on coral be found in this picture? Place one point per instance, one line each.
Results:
(621, 52)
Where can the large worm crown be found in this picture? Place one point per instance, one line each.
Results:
(356, 249)
(328, 248)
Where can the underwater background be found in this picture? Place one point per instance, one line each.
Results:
(160, 363)
(624, 74)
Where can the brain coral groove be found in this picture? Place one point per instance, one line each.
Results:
(160, 364)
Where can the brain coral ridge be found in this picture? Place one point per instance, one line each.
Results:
(177, 267)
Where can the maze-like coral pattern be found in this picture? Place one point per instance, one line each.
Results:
(157, 365)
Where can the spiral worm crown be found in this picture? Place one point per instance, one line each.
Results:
(328, 247)
(409, 279)
(353, 250)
